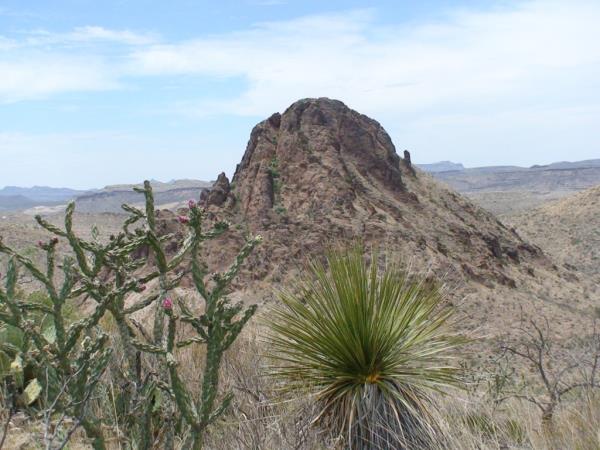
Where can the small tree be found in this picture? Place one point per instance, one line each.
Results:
(559, 369)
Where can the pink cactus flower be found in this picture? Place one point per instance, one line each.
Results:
(168, 303)
(191, 204)
(183, 219)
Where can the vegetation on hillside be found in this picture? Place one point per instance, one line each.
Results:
(358, 354)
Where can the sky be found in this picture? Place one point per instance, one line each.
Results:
(96, 93)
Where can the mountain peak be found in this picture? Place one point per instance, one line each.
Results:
(321, 174)
(312, 158)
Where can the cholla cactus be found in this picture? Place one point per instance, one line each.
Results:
(77, 353)
(217, 328)
(74, 356)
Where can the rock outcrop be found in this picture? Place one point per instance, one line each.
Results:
(313, 159)
(218, 193)
(321, 174)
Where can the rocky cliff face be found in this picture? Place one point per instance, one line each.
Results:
(315, 159)
(321, 174)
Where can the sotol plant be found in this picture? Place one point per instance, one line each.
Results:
(153, 397)
(370, 345)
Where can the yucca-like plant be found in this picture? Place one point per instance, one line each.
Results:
(371, 345)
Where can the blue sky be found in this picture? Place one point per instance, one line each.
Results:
(95, 93)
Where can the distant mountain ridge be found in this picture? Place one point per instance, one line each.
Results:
(10, 202)
(449, 166)
(442, 166)
(16, 198)
(569, 165)
(158, 186)
(170, 194)
(508, 189)
(107, 199)
(41, 193)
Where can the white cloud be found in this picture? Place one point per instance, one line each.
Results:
(469, 83)
(536, 51)
(506, 57)
(39, 64)
(83, 35)
(89, 33)
(45, 75)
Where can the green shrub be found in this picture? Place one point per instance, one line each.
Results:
(370, 345)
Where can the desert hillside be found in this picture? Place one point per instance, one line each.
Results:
(300, 225)
(506, 190)
(315, 176)
(321, 174)
(568, 229)
(47, 200)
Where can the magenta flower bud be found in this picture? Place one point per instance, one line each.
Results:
(142, 287)
(168, 303)
(191, 204)
(40, 244)
(183, 219)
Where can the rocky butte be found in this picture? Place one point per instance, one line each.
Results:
(321, 173)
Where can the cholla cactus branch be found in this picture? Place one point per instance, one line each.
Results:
(141, 304)
(75, 242)
(223, 280)
(77, 354)
(26, 262)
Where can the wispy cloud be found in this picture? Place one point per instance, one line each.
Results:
(126, 37)
(48, 74)
(86, 35)
(39, 63)
(533, 52)
(493, 82)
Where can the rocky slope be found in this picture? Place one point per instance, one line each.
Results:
(568, 229)
(321, 174)
(441, 166)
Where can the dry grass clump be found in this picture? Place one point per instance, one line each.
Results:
(261, 419)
